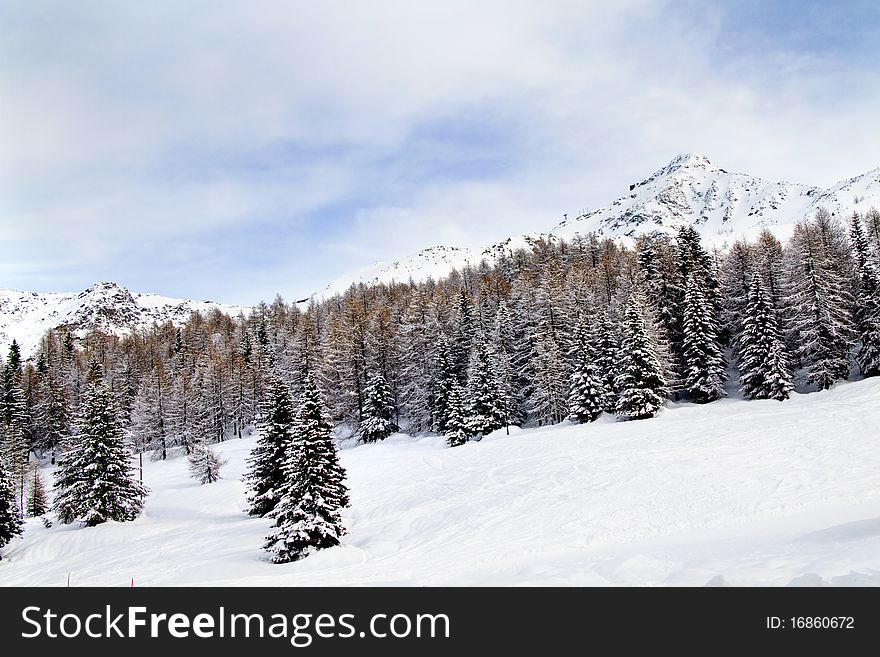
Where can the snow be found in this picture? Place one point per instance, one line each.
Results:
(723, 206)
(27, 316)
(730, 493)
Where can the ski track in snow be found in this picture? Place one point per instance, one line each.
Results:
(731, 493)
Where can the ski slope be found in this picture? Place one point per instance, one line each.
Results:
(735, 492)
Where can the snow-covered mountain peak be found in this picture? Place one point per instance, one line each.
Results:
(107, 306)
(689, 190)
(689, 161)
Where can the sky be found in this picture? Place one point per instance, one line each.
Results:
(235, 150)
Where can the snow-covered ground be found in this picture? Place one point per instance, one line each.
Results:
(736, 492)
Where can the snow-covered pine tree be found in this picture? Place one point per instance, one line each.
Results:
(94, 482)
(821, 307)
(204, 464)
(703, 359)
(10, 517)
(37, 502)
(457, 432)
(605, 347)
(487, 406)
(313, 493)
(444, 379)
(265, 474)
(867, 301)
(640, 383)
(765, 372)
(586, 395)
(465, 332)
(377, 421)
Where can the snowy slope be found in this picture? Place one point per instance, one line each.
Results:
(435, 262)
(724, 206)
(737, 492)
(691, 190)
(26, 316)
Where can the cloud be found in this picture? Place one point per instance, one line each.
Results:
(230, 150)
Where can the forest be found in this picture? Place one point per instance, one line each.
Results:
(564, 331)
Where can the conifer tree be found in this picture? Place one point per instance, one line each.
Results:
(765, 372)
(457, 432)
(703, 360)
(586, 394)
(640, 383)
(94, 482)
(204, 464)
(486, 405)
(10, 517)
(444, 379)
(266, 474)
(313, 493)
(821, 305)
(377, 422)
(37, 503)
(54, 416)
(605, 348)
(867, 302)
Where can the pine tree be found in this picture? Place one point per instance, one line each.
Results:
(37, 504)
(313, 492)
(586, 397)
(486, 409)
(694, 262)
(605, 348)
(94, 482)
(765, 372)
(377, 422)
(204, 464)
(444, 380)
(640, 383)
(867, 302)
(10, 518)
(703, 360)
(265, 474)
(457, 432)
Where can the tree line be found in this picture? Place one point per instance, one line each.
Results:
(560, 330)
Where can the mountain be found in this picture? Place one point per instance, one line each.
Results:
(26, 316)
(723, 206)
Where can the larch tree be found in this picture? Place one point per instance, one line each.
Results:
(821, 307)
(37, 503)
